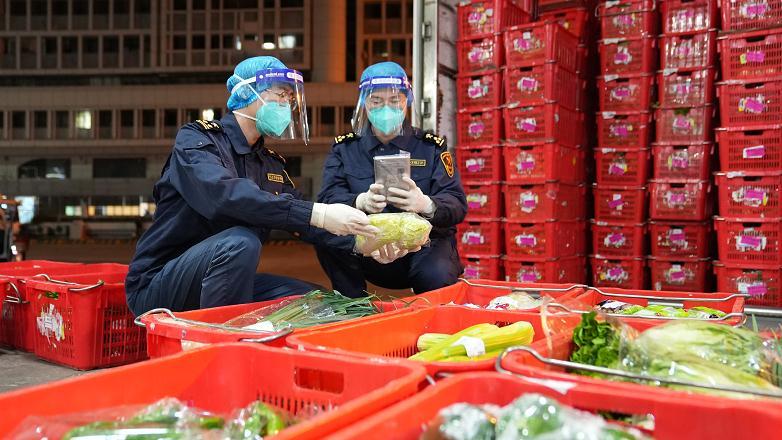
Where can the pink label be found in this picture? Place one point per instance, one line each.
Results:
(616, 169)
(474, 205)
(753, 242)
(616, 203)
(621, 57)
(616, 238)
(756, 56)
(476, 55)
(476, 91)
(676, 199)
(615, 272)
(679, 162)
(471, 272)
(523, 44)
(474, 239)
(529, 203)
(474, 165)
(528, 84)
(476, 129)
(620, 130)
(677, 236)
(754, 194)
(685, 14)
(526, 241)
(529, 126)
(753, 106)
(528, 277)
(682, 122)
(677, 275)
(755, 10)
(758, 289)
(683, 51)
(625, 20)
(682, 89)
(756, 152)
(621, 92)
(527, 165)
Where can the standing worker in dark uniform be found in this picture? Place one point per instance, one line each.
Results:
(432, 191)
(222, 191)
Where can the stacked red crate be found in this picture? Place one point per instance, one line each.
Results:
(749, 228)
(624, 131)
(544, 149)
(479, 120)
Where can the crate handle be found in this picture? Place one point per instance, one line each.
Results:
(86, 288)
(15, 299)
(620, 373)
(272, 335)
(664, 298)
(662, 318)
(522, 289)
(40, 275)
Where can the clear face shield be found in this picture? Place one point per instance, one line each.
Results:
(385, 104)
(282, 111)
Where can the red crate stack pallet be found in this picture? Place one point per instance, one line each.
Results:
(749, 226)
(625, 127)
(544, 149)
(681, 191)
(480, 90)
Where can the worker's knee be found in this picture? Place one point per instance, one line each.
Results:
(238, 246)
(438, 272)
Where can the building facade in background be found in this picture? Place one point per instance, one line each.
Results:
(93, 91)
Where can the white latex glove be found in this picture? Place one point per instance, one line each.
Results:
(341, 219)
(372, 201)
(390, 253)
(412, 199)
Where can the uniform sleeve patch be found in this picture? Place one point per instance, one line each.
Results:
(209, 125)
(447, 159)
(437, 140)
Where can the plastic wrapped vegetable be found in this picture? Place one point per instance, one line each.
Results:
(257, 421)
(404, 229)
(462, 421)
(514, 301)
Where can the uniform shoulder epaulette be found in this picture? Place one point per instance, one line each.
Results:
(349, 136)
(209, 125)
(275, 155)
(432, 138)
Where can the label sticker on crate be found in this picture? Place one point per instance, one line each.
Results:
(616, 203)
(752, 56)
(618, 167)
(621, 93)
(526, 240)
(753, 10)
(682, 90)
(620, 130)
(679, 160)
(528, 276)
(528, 125)
(747, 243)
(677, 239)
(622, 56)
(615, 239)
(753, 197)
(675, 199)
(525, 163)
(472, 272)
(475, 165)
(755, 104)
(476, 129)
(479, 16)
(683, 124)
(478, 55)
(756, 152)
(676, 274)
(477, 89)
(50, 324)
(752, 288)
(477, 201)
(526, 43)
(616, 274)
(528, 84)
(528, 201)
(473, 238)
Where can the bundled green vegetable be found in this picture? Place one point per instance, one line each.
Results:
(623, 308)
(597, 343)
(404, 229)
(314, 308)
(479, 342)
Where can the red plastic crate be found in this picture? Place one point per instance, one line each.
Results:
(38, 266)
(745, 104)
(671, 239)
(625, 56)
(85, 326)
(479, 238)
(554, 5)
(542, 161)
(688, 51)
(684, 125)
(619, 239)
(479, 127)
(625, 273)
(624, 130)
(746, 15)
(626, 93)
(686, 88)
(620, 203)
(683, 16)
(484, 201)
(751, 55)
(749, 241)
(541, 202)
(761, 283)
(485, 268)
(546, 122)
(575, 20)
(479, 164)
(534, 85)
(680, 275)
(621, 166)
(557, 270)
(688, 200)
(480, 55)
(755, 149)
(750, 195)
(484, 18)
(549, 239)
(479, 90)
(683, 161)
(627, 18)
(541, 43)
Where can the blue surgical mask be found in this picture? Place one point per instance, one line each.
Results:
(272, 118)
(386, 119)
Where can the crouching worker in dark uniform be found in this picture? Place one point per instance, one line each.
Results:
(222, 191)
(433, 190)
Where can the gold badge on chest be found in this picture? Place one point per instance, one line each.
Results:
(275, 178)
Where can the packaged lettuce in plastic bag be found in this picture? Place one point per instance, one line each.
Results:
(406, 230)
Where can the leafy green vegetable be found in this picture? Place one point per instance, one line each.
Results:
(597, 343)
(258, 420)
(405, 229)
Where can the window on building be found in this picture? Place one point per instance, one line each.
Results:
(142, 9)
(70, 52)
(18, 125)
(29, 52)
(62, 125)
(373, 17)
(105, 124)
(2, 125)
(131, 51)
(180, 5)
(84, 125)
(127, 124)
(199, 5)
(38, 14)
(60, 14)
(89, 52)
(170, 122)
(347, 115)
(121, 14)
(119, 168)
(192, 114)
(393, 16)
(327, 119)
(100, 14)
(18, 12)
(49, 50)
(7, 52)
(148, 124)
(110, 51)
(198, 42)
(293, 166)
(40, 124)
(45, 169)
(180, 42)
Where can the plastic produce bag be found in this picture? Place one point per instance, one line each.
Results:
(406, 230)
(390, 169)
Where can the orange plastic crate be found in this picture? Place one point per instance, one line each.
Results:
(685, 239)
(750, 149)
(620, 203)
(575, 20)
(541, 202)
(689, 125)
(224, 378)
(479, 164)
(687, 200)
(627, 18)
(484, 201)
(624, 56)
(761, 283)
(554, 270)
(680, 274)
(750, 195)
(543, 161)
(625, 273)
(545, 122)
(535, 85)
(479, 127)
(549, 239)
(619, 239)
(749, 241)
(484, 18)
(686, 88)
(750, 104)
(479, 238)
(622, 166)
(743, 15)
(685, 16)
(541, 43)
(624, 130)
(688, 51)
(480, 90)
(683, 161)
(753, 55)
(480, 55)
(486, 268)
(626, 93)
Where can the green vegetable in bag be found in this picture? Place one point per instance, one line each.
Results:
(405, 229)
